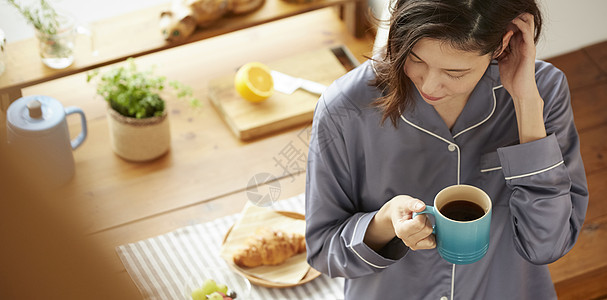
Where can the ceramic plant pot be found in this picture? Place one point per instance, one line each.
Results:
(139, 139)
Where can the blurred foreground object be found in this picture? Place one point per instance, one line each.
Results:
(45, 254)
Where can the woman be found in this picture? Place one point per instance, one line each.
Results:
(457, 98)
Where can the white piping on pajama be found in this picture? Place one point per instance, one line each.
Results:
(359, 256)
(452, 281)
(487, 118)
(458, 178)
(536, 172)
(440, 138)
(491, 169)
(458, 156)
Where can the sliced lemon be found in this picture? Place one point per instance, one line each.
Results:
(254, 82)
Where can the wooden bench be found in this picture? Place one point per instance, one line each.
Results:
(137, 33)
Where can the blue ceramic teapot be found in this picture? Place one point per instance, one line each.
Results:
(38, 132)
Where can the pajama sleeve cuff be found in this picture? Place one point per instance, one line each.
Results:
(392, 252)
(530, 158)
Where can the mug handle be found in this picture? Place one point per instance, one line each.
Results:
(428, 210)
(77, 141)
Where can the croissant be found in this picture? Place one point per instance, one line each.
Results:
(269, 247)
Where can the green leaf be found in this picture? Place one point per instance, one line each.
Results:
(43, 16)
(135, 93)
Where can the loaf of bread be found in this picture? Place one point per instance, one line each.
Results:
(269, 247)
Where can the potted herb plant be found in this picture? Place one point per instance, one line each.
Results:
(137, 116)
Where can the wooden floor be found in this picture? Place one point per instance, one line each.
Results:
(582, 273)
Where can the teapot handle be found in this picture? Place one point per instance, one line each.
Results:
(80, 138)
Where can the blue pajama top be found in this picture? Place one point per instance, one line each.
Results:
(355, 165)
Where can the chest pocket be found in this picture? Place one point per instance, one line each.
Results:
(492, 178)
(490, 162)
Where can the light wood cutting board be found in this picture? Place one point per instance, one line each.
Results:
(251, 120)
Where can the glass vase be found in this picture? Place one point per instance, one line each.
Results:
(57, 48)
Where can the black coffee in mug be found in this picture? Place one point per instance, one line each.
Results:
(462, 210)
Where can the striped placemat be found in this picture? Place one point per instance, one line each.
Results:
(161, 266)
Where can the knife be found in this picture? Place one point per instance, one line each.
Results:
(288, 84)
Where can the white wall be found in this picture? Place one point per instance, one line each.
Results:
(571, 25)
(16, 28)
(568, 25)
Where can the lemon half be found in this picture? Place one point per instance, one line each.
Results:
(254, 82)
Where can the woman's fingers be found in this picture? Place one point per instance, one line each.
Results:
(423, 239)
(527, 17)
(525, 23)
(427, 243)
(416, 233)
(517, 67)
(525, 28)
(402, 207)
(522, 44)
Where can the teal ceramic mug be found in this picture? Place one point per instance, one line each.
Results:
(462, 215)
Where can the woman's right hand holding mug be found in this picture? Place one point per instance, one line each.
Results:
(395, 219)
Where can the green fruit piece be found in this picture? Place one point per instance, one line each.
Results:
(209, 286)
(222, 288)
(215, 296)
(198, 294)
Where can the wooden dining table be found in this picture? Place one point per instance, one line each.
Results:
(208, 171)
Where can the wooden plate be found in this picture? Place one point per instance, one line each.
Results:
(311, 275)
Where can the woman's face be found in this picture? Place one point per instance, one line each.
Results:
(442, 73)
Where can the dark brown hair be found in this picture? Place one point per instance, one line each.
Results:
(468, 25)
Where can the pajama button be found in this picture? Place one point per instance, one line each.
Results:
(444, 297)
(451, 148)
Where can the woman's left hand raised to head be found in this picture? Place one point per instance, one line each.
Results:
(517, 62)
(517, 71)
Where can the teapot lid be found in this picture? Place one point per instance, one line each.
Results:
(35, 114)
